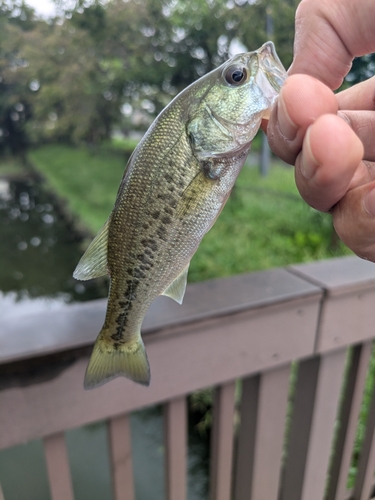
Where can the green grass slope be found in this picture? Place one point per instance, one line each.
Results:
(264, 224)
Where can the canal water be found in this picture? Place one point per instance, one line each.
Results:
(39, 249)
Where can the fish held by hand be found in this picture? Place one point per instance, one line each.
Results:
(173, 189)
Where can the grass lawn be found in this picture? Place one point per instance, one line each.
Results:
(264, 223)
(87, 179)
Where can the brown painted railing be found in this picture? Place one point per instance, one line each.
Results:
(251, 327)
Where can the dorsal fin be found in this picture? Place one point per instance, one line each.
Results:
(176, 290)
(93, 263)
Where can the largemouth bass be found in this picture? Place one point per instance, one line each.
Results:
(173, 189)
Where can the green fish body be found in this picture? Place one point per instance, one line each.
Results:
(173, 189)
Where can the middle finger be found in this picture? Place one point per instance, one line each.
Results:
(358, 97)
(363, 124)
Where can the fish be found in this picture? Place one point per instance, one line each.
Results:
(173, 189)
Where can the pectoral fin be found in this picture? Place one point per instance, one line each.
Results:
(176, 290)
(93, 263)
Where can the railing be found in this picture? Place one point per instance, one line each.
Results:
(254, 327)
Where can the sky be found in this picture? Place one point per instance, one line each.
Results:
(45, 8)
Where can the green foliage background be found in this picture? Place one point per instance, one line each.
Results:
(105, 66)
(264, 224)
(68, 78)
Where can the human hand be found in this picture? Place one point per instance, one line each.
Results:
(329, 137)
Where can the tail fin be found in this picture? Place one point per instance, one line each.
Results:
(108, 362)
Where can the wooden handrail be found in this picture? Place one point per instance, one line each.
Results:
(250, 327)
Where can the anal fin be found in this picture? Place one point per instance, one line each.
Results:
(176, 290)
(93, 263)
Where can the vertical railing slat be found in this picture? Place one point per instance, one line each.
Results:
(121, 457)
(58, 467)
(246, 438)
(366, 485)
(222, 442)
(1, 493)
(298, 439)
(175, 418)
(272, 405)
(327, 397)
(310, 440)
(356, 378)
(366, 465)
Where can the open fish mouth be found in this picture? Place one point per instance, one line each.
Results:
(272, 66)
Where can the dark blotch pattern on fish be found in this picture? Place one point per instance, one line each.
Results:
(166, 220)
(137, 273)
(162, 233)
(146, 262)
(126, 306)
(168, 210)
(150, 243)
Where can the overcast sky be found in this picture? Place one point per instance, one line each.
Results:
(43, 8)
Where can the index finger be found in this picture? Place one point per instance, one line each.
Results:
(329, 34)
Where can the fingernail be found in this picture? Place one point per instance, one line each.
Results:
(309, 164)
(369, 203)
(286, 125)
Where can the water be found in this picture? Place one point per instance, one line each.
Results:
(39, 249)
(89, 459)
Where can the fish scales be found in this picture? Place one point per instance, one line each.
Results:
(152, 202)
(175, 185)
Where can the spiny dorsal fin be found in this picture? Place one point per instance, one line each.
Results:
(93, 263)
(176, 290)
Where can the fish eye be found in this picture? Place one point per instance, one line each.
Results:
(235, 75)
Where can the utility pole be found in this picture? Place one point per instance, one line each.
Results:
(265, 155)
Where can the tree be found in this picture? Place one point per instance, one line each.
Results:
(362, 69)
(70, 78)
(15, 110)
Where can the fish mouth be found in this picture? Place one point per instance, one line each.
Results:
(271, 65)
